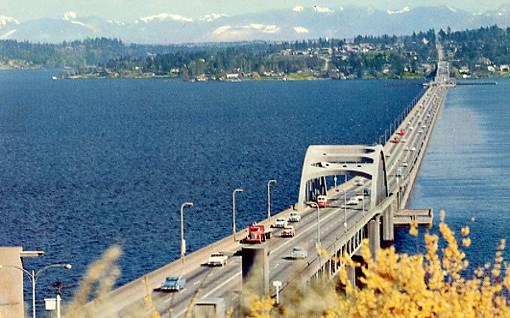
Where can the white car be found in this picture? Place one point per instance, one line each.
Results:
(279, 223)
(353, 201)
(294, 217)
(217, 259)
(298, 253)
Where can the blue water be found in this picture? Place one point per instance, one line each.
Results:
(466, 170)
(85, 164)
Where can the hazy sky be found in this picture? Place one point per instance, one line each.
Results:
(127, 10)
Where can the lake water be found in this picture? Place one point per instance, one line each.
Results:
(466, 170)
(85, 164)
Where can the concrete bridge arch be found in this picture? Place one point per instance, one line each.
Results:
(322, 161)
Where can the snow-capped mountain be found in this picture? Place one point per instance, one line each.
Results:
(295, 23)
(7, 26)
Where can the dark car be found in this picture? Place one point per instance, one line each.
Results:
(174, 283)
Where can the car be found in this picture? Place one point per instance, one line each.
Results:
(217, 259)
(294, 217)
(395, 140)
(411, 128)
(352, 201)
(173, 283)
(420, 131)
(288, 231)
(402, 132)
(359, 198)
(366, 192)
(404, 164)
(279, 223)
(359, 182)
(298, 253)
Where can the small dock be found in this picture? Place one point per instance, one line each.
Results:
(420, 216)
(476, 83)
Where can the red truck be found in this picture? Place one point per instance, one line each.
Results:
(257, 233)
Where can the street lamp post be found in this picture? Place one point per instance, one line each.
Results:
(183, 242)
(345, 210)
(363, 194)
(234, 211)
(33, 275)
(315, 205)
(269, 198)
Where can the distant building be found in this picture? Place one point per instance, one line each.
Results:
(232, 75)
(464, 70)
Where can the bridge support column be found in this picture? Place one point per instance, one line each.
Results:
(374, 236)
(387, 223)
(324, 186)
(255, 270)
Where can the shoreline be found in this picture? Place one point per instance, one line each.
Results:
(289, 77)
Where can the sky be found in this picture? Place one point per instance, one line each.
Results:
(130, 10)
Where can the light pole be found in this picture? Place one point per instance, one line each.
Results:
(33, 275)
(345, 210)
(313, 204)
(363, 194)
(234, 211)
(398, 174)
(269, 198)
(183, 242)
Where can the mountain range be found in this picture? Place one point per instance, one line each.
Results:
(293, 24)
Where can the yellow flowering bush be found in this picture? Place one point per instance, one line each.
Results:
(432, 284)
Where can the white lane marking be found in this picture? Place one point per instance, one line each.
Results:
(221, 285)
